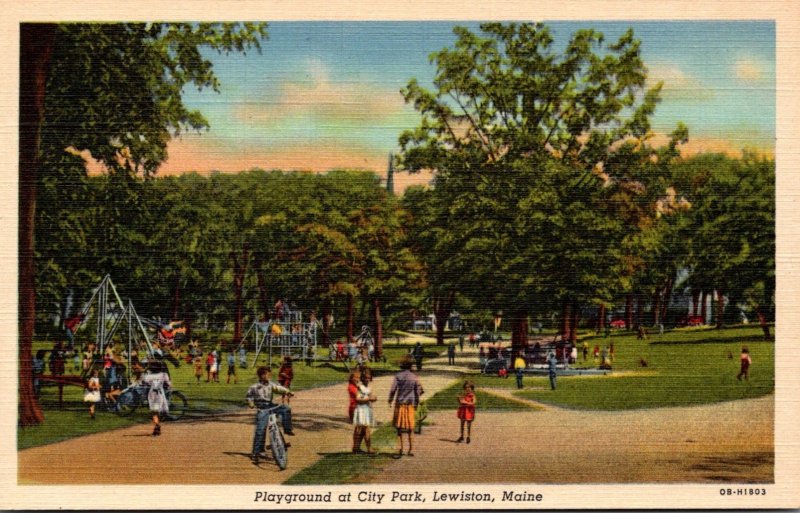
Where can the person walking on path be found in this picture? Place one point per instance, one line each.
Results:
(451, 354)
(158, 383)
(405, 393)
(466, 409)
(418, 352)
(745, 361)
(551, 368)
(461, 343)
(259, 396)
(519, 367)
(363, 418)
(91, 394)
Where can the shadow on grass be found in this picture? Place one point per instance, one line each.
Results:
(750, 339)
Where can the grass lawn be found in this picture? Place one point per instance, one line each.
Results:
(685, 367)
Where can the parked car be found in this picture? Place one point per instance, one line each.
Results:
(694, 320)
(618, 324)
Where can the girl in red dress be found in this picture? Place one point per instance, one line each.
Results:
(466, 409)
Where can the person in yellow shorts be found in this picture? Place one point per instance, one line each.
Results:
(405, 393)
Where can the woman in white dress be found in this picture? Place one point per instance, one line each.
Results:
(91, 393)
(363, 418)
(158, 381)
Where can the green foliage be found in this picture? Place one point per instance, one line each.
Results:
(731, 226)
(545, 182)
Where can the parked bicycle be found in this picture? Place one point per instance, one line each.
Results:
(135, 396)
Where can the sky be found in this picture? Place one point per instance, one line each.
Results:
(325, 95)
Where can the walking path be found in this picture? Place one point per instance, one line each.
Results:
(724, 442)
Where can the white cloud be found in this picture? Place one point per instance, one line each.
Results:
(748, 70)
(677, 83)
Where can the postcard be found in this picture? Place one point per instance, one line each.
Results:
(343, 256)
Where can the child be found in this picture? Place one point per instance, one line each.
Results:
(198, 368)
(158, 382)
(260, 396)
(466, 409)
(363, 418)
(745, 360)
(285, 376)
(91, 394)
(232, 369)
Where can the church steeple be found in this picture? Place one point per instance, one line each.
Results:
(390, 176)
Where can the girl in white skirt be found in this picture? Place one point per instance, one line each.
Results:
(363, 418)
(158, 381)
(91, 393)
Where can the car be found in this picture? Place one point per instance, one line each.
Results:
(618, 324)
(694, 320)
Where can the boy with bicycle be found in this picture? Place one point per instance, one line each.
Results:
(260, 396)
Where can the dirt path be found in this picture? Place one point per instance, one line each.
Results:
(211, 450)
(712, 443)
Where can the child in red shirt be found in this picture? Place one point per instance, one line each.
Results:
(285, 376)
(466, 409)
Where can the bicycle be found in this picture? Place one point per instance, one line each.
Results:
(275, 439)
(135, 396)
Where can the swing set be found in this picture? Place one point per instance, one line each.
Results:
(110, 314)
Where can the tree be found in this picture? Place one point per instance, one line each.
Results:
(541, 162)
(114, 90)
(731, 232)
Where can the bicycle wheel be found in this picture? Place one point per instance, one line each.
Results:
(277, 445)
(177, 405)
(127, 402)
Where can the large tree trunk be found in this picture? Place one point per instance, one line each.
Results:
(36, 47)
(703, 302)
(263, 298)
(441, 311)
(376, 313)
(629, 311)
(350, 312)
(239, 271)
(762, 320)
(639, 308)
(695, 302)
(601, 317)
(576, 315)
(656, 307)
(326, 322)
(667, 298)
(566, 319)
(519, 331)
